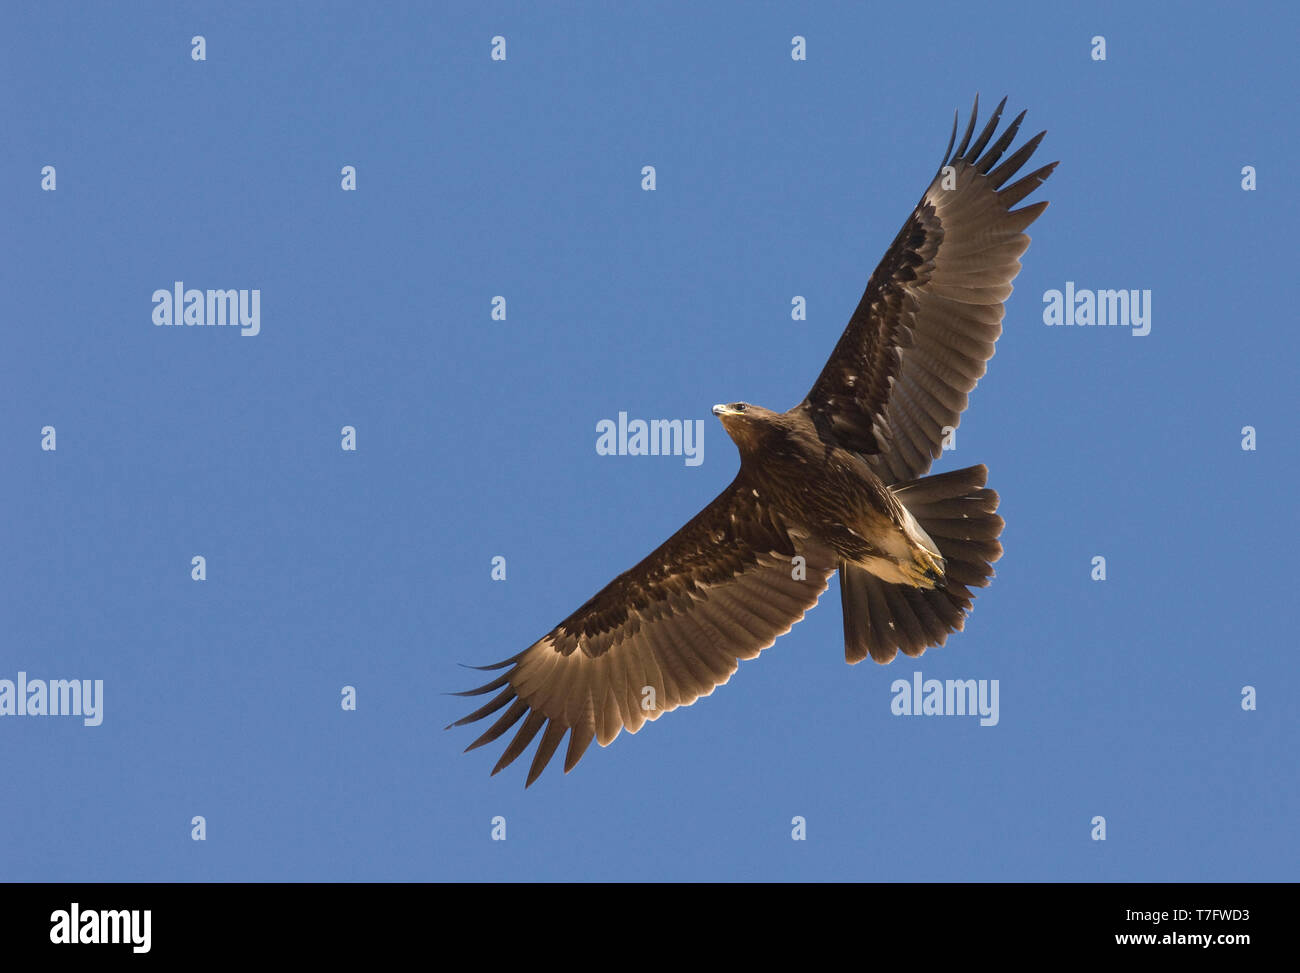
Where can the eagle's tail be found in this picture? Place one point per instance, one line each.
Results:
(960, 515)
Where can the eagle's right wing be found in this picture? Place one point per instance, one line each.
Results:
(721, 589)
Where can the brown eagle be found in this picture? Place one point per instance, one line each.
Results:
(835, 484)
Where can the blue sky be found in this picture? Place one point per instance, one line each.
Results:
(476, 438)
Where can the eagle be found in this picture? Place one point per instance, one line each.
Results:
(836, 484)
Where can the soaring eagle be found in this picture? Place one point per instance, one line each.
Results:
(838, 483)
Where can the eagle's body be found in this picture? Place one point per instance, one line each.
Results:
(837, 484)
(828, 495)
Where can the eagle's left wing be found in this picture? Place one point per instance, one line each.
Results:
(924, 330)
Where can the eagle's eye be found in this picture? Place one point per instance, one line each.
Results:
(739, 406)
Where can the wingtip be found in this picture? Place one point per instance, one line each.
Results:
(495, 665)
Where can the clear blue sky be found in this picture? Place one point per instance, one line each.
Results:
(476, 438)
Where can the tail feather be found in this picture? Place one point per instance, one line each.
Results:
(959, 513)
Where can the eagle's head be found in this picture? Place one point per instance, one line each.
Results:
(747, 425)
